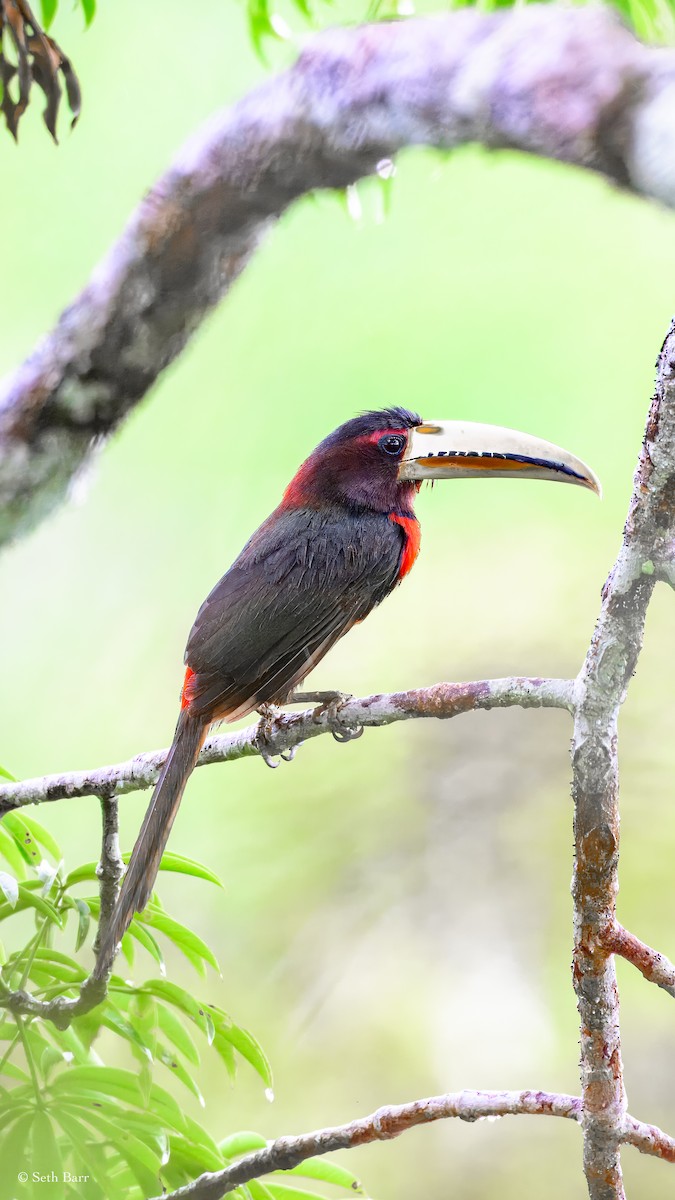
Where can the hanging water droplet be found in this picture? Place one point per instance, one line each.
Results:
(386, 169)
(269, 1095)
(280, 27)
(354, 207)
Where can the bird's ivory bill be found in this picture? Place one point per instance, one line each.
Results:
(467, 449)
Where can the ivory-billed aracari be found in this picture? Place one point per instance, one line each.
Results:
(343, 536)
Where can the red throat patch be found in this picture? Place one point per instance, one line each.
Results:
(411, 545)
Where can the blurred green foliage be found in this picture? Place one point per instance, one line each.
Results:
(395, 919)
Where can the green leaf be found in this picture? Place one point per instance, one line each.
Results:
(171, 1061)
(258, 1190)
(4, 774)
(194, 1159)
(177, 1034)
(22, 837)
(104, 1082)
(11, 1070)
(244, 1142)
(226, 1052)
(197, 1135)
(147, 941)
(42, 836)
(48, 11)
(92, 1155)
(173, 994)
(180, 935)
(89, 10)
(28, 900)
(250, 1049)
(281, 1191)
(10, 851)
(186, 866)
(119, 1137)
(9, 888)
(46, 1156)
(13, 1151)
(327, 1172)
(83, 922)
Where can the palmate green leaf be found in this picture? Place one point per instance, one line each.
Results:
(14, 1153)
(11, 853)
(177, 1034)
(92, 1156)
(120, 1139)
(46, 1153)
(11, 1070)
(102, 1083)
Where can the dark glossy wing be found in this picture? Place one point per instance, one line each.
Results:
(300, 583)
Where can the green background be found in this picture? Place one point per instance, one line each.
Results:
(396, 919)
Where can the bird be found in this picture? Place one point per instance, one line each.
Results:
(343, 536)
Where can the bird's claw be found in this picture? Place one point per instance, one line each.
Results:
(263, 736)
(330, 707)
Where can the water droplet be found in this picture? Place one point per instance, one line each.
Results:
(269, 1095)
(386, 169)
(280, 27)
(354, 207)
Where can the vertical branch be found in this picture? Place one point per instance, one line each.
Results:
(601, 689)
(111, 867)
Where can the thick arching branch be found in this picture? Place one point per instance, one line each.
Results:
(289, 730)
(393, 1120)
(565, 83)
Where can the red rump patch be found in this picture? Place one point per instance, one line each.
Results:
(185, 696)
(411, 545)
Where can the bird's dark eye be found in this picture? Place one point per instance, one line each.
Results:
(392, 444)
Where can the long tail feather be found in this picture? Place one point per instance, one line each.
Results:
(141, 873)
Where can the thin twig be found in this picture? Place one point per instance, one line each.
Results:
(562, 82)
(654, 966)
(61, 1010)
(600, 691)
(288, 730)
(389, 1122)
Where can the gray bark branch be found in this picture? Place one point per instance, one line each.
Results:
(567, 84)
(288, 730)
(601, 689)
(393, 1120)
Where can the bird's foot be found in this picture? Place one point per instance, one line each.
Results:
(330, 703)
(268, 715)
